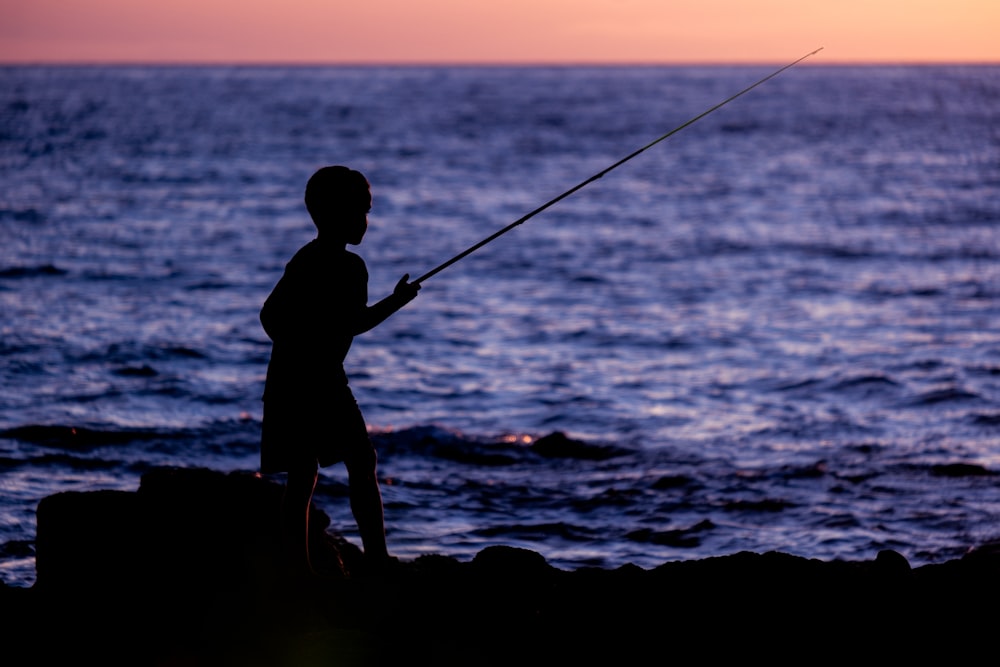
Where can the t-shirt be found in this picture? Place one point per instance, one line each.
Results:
(310, 317)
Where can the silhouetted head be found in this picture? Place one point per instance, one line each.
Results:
(339, 199)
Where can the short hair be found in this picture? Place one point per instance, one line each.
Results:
(331, 188)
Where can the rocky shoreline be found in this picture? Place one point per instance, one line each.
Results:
(183, 572)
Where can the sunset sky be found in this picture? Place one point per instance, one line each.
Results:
(512, 31)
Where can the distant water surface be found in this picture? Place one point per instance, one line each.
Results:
(777, 330)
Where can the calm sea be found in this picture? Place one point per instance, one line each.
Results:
(777, 330)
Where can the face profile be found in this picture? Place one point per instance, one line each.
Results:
(355, 218)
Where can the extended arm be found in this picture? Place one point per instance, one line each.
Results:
(402, 294)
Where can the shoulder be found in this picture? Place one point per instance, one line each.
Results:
(313, 258)
(310, 253)
(317, 258)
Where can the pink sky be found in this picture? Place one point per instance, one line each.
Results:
(511, 31)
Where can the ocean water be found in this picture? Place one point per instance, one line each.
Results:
(777, 330)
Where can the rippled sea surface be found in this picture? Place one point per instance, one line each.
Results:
(779, 329)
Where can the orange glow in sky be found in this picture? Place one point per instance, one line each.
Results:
(512, 31)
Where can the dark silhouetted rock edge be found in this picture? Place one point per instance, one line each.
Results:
(185, 571)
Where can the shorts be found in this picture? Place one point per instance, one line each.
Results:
(304, 430)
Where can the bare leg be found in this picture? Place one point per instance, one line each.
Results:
(295, 516)
(366, 505)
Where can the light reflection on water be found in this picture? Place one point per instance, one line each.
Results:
(810, 275)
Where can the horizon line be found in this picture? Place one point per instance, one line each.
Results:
(486, 63)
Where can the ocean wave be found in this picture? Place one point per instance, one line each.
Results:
(41, 270)
(78, 437)
(437, 442)
(946, 395)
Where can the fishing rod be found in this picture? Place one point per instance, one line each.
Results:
(488, 239)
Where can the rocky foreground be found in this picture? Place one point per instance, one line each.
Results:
(183, 572)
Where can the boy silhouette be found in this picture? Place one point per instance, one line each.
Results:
(311, 418)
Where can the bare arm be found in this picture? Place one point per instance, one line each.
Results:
(402, 294)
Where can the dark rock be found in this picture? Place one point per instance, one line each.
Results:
(510, 561)
(183, 529)
(184, 571)
(558, 445)
(891, 563)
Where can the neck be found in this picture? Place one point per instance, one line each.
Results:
(331, 240)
